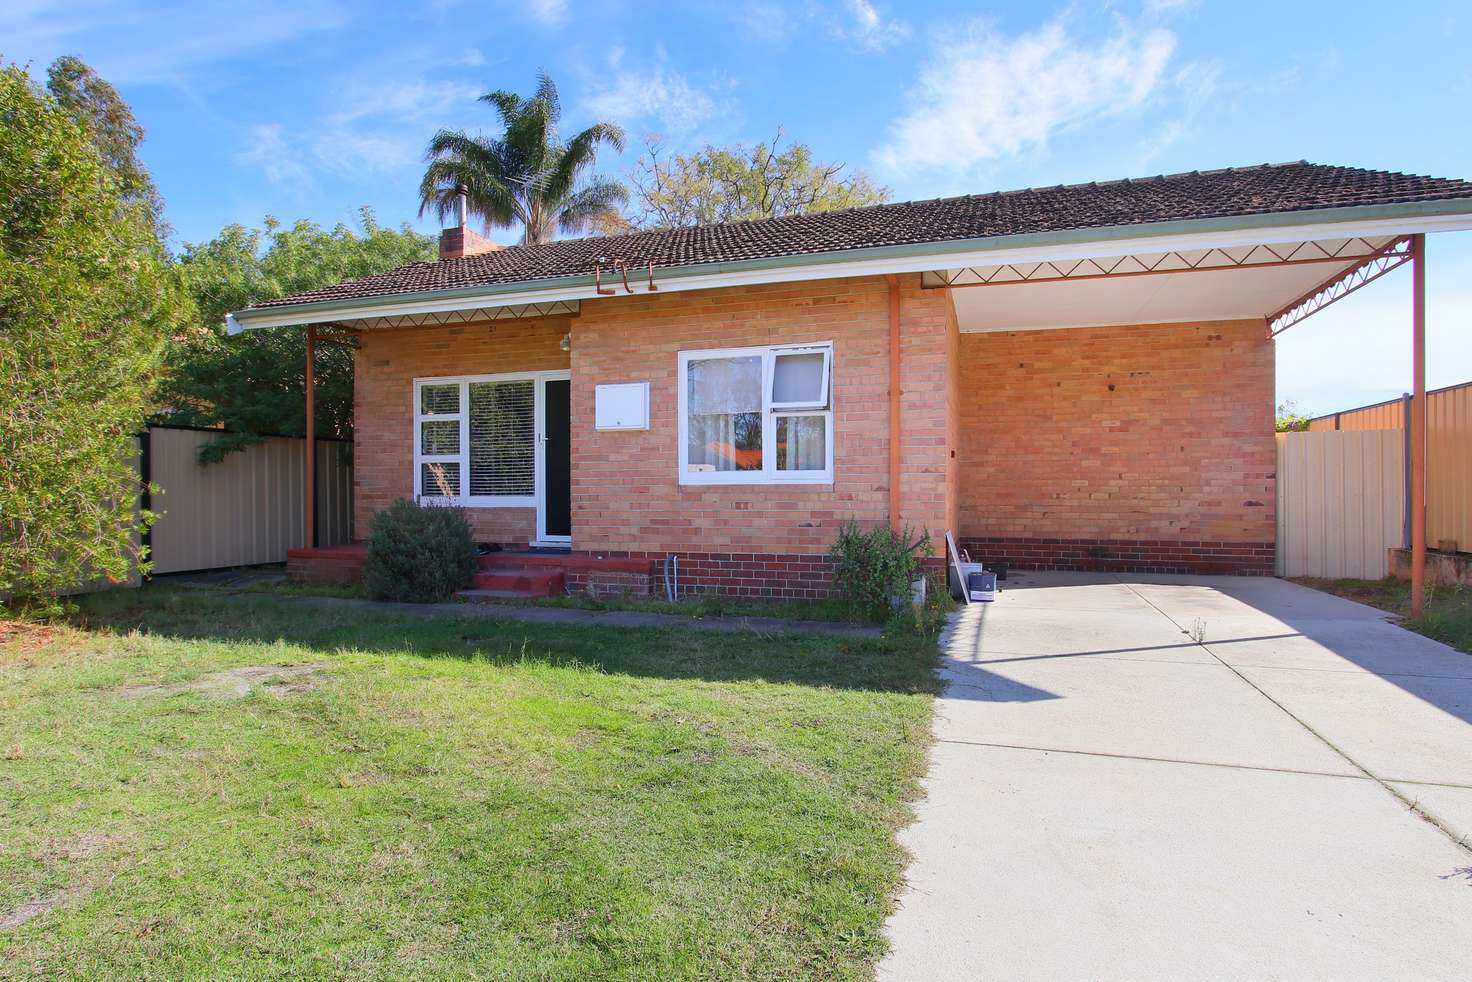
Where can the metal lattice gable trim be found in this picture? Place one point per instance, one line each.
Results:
(440, 318)
(1343, 250)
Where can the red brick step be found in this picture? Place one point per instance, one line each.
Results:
(528, 582)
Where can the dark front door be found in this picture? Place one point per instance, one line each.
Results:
(557, 462)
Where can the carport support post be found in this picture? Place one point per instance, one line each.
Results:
(1418, 425)
(310, 526)
(894, 401)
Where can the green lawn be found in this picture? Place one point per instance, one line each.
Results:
(446, 797)
(697, 606)
(1448, 616)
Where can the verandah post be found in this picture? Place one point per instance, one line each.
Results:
(894, 403)
(310, 503)
(1418, 425)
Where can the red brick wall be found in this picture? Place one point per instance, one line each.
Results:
(1141, 448)
(626, 490)
(1132, 447)
(386, 365)
(757, 540)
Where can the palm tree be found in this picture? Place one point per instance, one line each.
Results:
(528, 175)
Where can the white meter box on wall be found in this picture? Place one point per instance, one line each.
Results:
(621, 407)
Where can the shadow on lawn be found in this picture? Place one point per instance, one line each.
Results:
(904, 663)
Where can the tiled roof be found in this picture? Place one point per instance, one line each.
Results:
(1297, 186)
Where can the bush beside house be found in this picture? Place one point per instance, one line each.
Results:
(873, 570)
(419, 553)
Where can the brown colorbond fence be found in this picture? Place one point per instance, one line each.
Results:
(246, 509)
(1448, 456)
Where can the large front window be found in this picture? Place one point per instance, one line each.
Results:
(756, 415)
(475, 440)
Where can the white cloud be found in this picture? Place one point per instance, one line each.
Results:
(768, 20)
(408, 100)
(164, 41)
(659, 95)
(549, 12)
(861, 24)
(858, 23)
(267, 147)
(377, 126)
(984, 95)
(1168, 136)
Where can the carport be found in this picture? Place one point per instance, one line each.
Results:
(1275, 275)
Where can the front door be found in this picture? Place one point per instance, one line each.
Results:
(554, 517)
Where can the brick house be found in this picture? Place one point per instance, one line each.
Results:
(1068, 377)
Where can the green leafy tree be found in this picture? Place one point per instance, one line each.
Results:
(87, 300)
(1290, 418)
(92, 101)
(739, 183)
(528, 175)
(254, 385)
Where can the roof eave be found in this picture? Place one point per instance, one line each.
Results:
(1449, 214)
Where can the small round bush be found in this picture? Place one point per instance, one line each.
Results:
(418, 553)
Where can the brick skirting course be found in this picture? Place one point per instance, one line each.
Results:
(1124, 555)
(766, 576)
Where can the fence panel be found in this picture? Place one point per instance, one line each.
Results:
(1340, 502)
(246, 509)
(1449, 468)
(1448, 456)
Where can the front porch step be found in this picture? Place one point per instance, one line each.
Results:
(521, 582)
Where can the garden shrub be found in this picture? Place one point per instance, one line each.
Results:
(874, 569)
(418, 553)
(88, 300)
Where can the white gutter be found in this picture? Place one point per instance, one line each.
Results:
(833, 266)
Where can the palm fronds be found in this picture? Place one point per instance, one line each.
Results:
(527, 175)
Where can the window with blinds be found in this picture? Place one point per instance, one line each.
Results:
(503, 438)
(475, 440)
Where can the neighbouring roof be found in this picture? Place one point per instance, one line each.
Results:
(1230, 192)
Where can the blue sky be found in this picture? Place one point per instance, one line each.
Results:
(311, 108)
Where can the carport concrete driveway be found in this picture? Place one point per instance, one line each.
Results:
(1109, 799)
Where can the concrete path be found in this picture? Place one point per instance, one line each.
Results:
(1290, 798)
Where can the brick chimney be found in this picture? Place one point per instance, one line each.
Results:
(457, 242)
(461, 241)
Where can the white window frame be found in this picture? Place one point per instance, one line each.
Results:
(769, 474)
(464, 382)
(821, 403)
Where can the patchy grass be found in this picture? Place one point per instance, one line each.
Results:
(698, 607)
(712, 606)
(349, 591)
(195, 786)
(1448, 616)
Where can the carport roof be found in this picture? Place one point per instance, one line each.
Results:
(1298, 186)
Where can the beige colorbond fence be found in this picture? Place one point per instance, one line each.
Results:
(1340, 502)
(246, 509)
(1448, 456)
